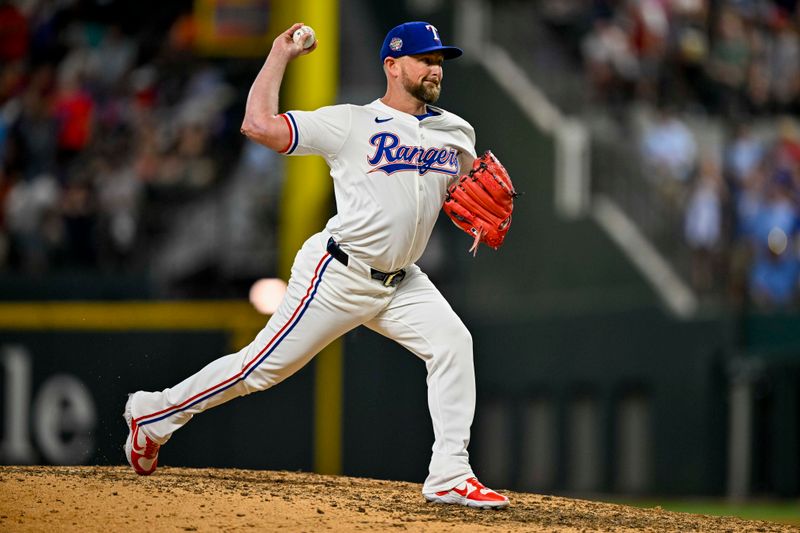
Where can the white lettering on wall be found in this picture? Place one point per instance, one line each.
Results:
(63, 419)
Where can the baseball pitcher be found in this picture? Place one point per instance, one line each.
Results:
(394, 163)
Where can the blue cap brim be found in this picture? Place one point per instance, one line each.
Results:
(449, 52)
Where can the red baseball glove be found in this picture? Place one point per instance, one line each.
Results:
(481, 202)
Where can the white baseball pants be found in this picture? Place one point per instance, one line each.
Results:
(324, 300)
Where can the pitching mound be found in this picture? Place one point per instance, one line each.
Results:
(180, 499)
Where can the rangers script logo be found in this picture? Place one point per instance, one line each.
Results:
(390, 156)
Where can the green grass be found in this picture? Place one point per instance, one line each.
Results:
(783, 511)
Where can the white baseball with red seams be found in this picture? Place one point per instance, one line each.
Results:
(390, 172)
(304, 36)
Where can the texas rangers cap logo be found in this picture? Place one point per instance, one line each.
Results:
(396, 44)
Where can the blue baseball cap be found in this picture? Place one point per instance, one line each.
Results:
(415, 38)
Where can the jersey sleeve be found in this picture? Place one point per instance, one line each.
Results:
(465, 160)
(321, 132)
(468, 156)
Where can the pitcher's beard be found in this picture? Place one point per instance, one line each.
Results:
(425, 93)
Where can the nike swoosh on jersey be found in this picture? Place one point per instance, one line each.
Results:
(379, 120)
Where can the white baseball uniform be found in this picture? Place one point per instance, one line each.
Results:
(390, 171)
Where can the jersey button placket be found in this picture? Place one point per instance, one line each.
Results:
(418, 183)
(419, 179)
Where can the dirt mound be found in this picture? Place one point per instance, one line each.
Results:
(182, 499)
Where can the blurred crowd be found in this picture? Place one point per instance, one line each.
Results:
(731, 63)
(118, 144)
(106, 133)
(740, 208)
(729, 57)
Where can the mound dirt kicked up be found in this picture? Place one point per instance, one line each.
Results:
(180, 499)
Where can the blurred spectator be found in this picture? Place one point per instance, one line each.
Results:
(611, 63)
(746, 204)
(649, 36)
(31, 216)
(784, 63)
(669, 150)
(13, 33)
(187, 165)
(12, 81)
(110, 61)
(787, 150)
(728, 61)
(743, 155)
(774, 274)
(36, 126)
(683, 80)
(703, 223)
(757, 91)
(73, 108)
(79, 219)
(120, 195)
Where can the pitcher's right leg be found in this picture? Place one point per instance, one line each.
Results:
(318, 307)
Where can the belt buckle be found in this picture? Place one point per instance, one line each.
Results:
(388, 281)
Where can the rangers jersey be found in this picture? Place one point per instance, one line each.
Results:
(390, 173)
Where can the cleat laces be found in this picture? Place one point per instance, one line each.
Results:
(150, 449)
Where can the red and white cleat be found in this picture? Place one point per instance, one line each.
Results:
(140, 451)
(470, 493)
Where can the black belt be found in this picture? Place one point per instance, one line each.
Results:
(390, 279)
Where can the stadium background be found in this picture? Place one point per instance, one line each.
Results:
(135, 219)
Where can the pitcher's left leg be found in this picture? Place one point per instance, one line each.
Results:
(420, 319)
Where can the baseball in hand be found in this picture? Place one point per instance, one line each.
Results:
(304, 36)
